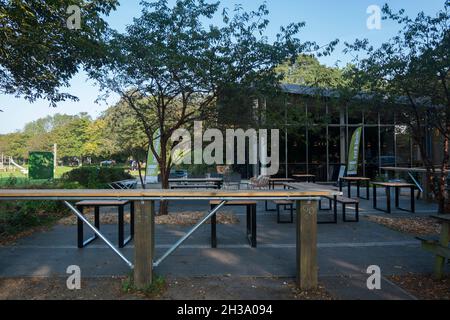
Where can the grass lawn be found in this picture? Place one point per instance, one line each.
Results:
(59, 172)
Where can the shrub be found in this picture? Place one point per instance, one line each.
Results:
(95, 177)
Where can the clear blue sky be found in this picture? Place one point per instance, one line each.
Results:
(325, 20)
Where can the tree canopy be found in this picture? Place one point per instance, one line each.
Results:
(412, 72)
(38, 52)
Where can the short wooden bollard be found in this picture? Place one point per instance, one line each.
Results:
(144, 240)
(307, 244)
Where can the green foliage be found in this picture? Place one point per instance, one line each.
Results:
(18, 216)
(156, 288)
(307, 71)
(72, 136)
(41, 165)
(412, 72)
(95, 177)
(39, 54)
(173, 63)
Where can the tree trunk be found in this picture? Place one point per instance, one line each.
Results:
(141, 178)
(164, 204)
(443, 205)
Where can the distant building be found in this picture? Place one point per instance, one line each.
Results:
(319, 129)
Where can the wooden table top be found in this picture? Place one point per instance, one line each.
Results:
(156, 194)
(307, 186)
(303, 175)
(102, 202)
(407, 169)
(355, 178)
(394, 184)
(441, 217)
(281, 179)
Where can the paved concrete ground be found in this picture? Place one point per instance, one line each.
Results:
(345, 251)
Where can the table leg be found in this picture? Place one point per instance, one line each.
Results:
(97, 217)
(388, 199)
(374, 187)
(439, 263)
(132, 219)
(306, 236)
(253, 227)
(358, 183)
(248, 219)
(144, 243)
(397, 196)
(213, 229)
(413, 199)
(80, 234)
(349, 188)
(121, 223)
(340, 185)
(367, 189)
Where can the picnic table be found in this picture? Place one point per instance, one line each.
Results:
(217, 182)
(358, 181)
(397, 186)
(439, 246)
(304, 176)
(279, 181)
(144, 236)
(423, 187)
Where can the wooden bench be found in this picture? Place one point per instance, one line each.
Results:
(440, 245)
(285, 203)
(344, 201)
(251, 220)
(105, 203)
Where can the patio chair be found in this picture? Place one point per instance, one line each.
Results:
(232, 180)
(259, 182)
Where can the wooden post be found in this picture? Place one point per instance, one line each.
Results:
(439, 263)
(144, 239)
(307, 244)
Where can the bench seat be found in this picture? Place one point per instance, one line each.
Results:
(430, 239)
(120, 204)
(344, 201)
(250, 215)
(283, 202)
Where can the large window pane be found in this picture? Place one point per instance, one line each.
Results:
(371, 151)
(318, 152)
(403, 146)
(387, 158)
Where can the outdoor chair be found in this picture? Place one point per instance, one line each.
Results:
(259, 182)
(232, 180)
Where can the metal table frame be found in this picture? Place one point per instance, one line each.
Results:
(358, 180)
(144, 202)
(397, 196)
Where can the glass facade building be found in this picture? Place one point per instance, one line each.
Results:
(319, 144)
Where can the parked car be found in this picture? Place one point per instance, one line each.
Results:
(107, 163)
(178, 174)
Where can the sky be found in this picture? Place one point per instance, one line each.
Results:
(325, 21)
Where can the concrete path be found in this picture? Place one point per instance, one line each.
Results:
(345, 251)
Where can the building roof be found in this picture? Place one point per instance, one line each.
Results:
(333, 93)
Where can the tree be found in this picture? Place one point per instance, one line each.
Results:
(72, 136)
(412, 73)
(126, 134)
(39, 53)
(170, 65)
(308, 71)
